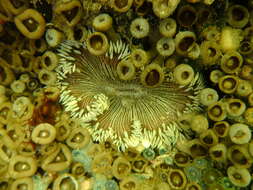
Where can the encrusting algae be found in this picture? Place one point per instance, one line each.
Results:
(126, 94)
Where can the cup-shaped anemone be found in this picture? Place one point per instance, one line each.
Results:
(126, 70)
(248, 33)
(5, 110)
(78, 32)
(53, 37)
(165, 46)
(186, 120)
(139, 164)
(121, 168)
(25, 183)
(208, 138)
(246, 47)
(63, 130)
(184, 42)
(18, 86)
(7, 75)
(168, 27)
(14, 7)
(152, 75)
(238, 16)
(121, 5)
(246, 72)
(78, 138)
(176, 179)
(139, 28)
(43, 133)
(239, 156)
(250, 99)
(208, 96)
(239, 176)
(204, 14)
(47, 77)
(209, 52)
(193, 186)
(22, 109)
(131, 154)
(14, 136)
(164, 8)
(39, 45)
(197, 149)
(26, 149)
(77, 169)
(32, 84)
(71, 11)
(65, 181)
(48, 149)
(221, 128)
(140, 57)
(58, 160)
(228, 84)
(97, 43)
(211, 33)
(170, 63)
(231, 62)
(239, 133)
(186, 16)
(51, 93)
(142, 7)
(215, 76)
(181, 159)
(183, 74)
(31, 23)
(5, 184)
(6, 152)
(102, 22)
(218, 152)
(142, 111)
(248, 115)
(217, 111)
(49, 60)
(235, 107)
(244, 88)
(250, 149)
(22, 166)
(130, 183)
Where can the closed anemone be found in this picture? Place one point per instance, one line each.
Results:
(127, 112)
(211, 175)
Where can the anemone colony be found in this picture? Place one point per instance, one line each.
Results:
(126, 94)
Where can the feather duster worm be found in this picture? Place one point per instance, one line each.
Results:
(126, 112)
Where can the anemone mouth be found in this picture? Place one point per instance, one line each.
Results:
(125, 112)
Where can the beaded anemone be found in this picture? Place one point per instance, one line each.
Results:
(126, 113)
